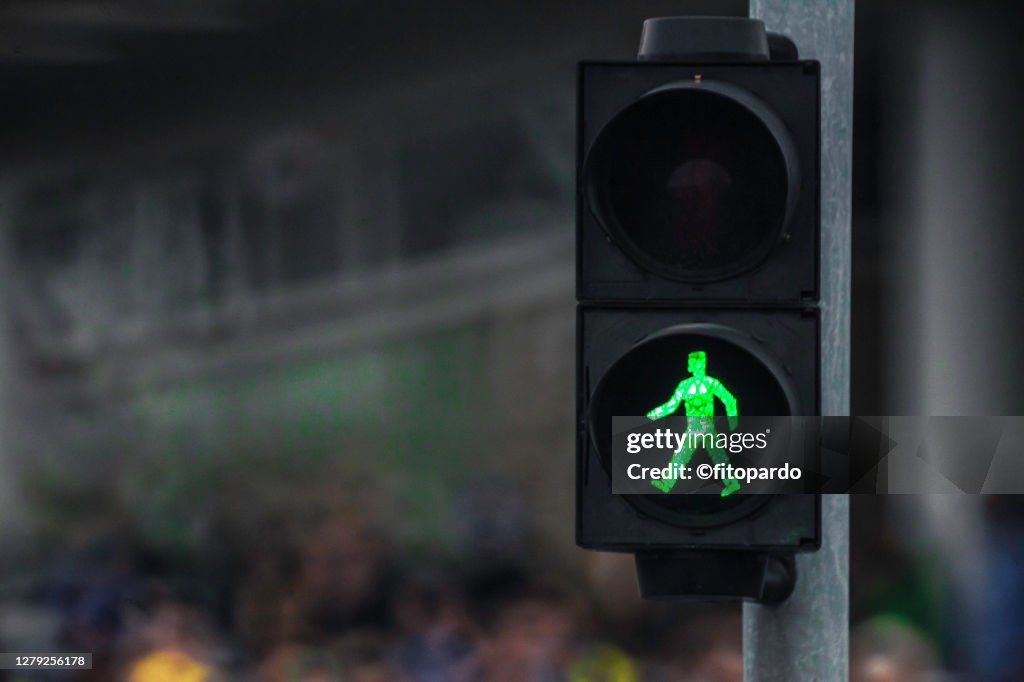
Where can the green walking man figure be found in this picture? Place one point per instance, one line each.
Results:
(697, 393)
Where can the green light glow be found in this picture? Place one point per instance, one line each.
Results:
(697, 393)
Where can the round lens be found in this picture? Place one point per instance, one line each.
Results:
(647, 375)
(691, 183)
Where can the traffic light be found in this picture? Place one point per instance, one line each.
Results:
(697, 275)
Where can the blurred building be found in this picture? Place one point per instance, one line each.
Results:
(263, 261)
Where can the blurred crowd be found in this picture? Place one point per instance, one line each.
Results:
(339, 603)
(337, 600)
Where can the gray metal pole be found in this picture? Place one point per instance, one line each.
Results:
(807, 637)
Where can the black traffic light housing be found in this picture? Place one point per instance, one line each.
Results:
(697, 226)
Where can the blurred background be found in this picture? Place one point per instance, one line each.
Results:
(288, 325)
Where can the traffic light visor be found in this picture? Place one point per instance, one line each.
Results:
(694, 181)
